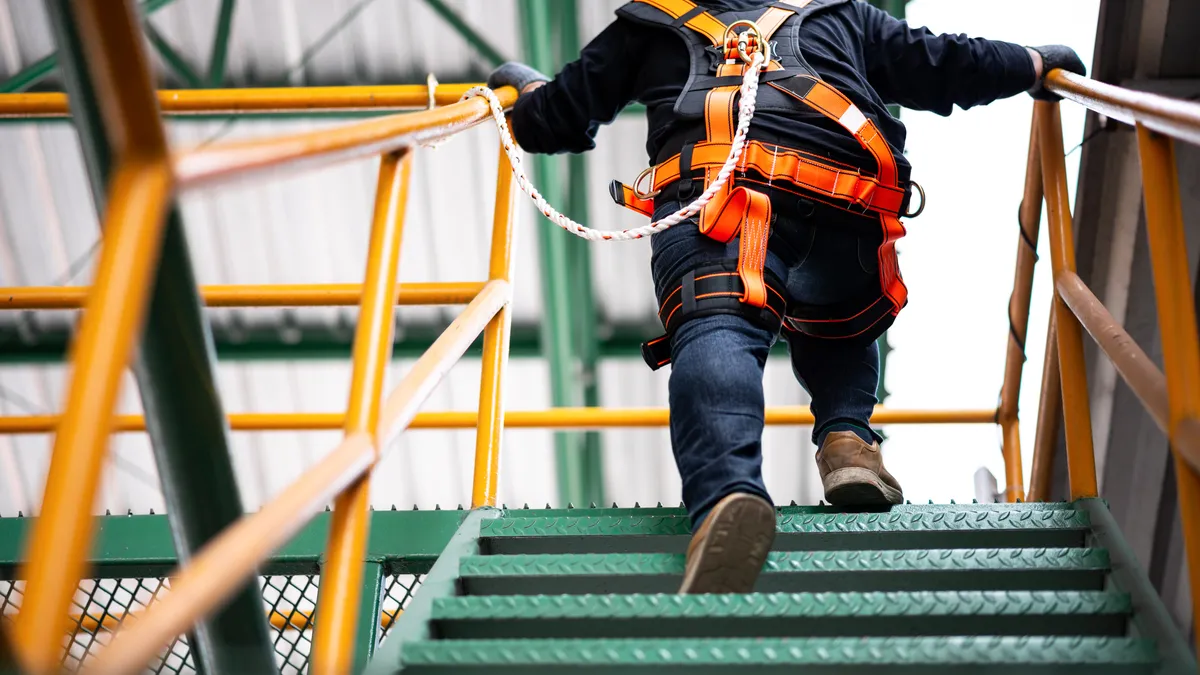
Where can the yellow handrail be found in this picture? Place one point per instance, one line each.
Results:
(259, 295)
(553, 418)
(205, 165)
(183, 102)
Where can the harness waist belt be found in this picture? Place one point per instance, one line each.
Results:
(793, 166)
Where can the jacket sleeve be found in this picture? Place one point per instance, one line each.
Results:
(564, 114)
(920, 70)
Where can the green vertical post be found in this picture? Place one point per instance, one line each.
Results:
(220, 50)
(560, 284)
(584, 301)
(368, 615)
(174, 371)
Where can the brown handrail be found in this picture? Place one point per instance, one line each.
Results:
(1170, 116)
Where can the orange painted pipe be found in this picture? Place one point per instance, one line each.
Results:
(341, 576)
(258, 295)
(490, 428)
(257, 100)
(1177, 330)
(208, 164)
(1081, 456)
(138, 194)
(554, 418)
(1045, 441)
(1029, 222)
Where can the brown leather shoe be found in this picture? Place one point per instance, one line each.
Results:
(853, 473)
(728, 551)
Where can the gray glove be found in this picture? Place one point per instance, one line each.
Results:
(1055, 56)
(513, 74)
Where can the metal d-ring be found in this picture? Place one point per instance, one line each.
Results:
(922, 209)
(649, 171)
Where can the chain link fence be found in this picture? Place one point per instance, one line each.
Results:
(100, 606)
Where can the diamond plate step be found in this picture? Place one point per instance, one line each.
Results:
(808, 571)
(819, 656)
(902, 614)
(929, 527)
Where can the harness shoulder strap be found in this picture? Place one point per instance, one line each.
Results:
(687, 13)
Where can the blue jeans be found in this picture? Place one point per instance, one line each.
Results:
(716, 386)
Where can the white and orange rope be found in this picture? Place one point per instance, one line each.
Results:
(749, 95)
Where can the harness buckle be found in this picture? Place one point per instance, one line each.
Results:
(637, 182)
(920, 210)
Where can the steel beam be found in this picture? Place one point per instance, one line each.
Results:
(576, 482)
(220, 49)
(478, 42)
(178, 388)
(174, 60)
(235, 342)
(41, 69)
(583, 302)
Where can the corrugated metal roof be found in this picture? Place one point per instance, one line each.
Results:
(312, 227)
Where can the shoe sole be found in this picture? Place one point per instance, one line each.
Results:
(856, 486)
(736, 546)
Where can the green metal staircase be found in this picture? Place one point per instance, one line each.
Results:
(1012, 588)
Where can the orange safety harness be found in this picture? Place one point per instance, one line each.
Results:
(742, 208)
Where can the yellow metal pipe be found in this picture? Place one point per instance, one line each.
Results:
(207, 164)
(258, 100)
(1029, 220)
(1049, 410)
(1081, 458)
(554, 418)
(1177, 328)
(341, 576)
(490, 428)
(281, 618)
(138, 195)
(1174, 117)
(259, 295)
(221, 567)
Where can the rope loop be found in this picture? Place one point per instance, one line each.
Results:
(749, 95)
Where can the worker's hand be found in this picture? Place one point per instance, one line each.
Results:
(519, 75)
(1055, 56)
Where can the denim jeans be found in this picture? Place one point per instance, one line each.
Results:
(716, 386)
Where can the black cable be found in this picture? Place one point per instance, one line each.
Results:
(1086, 139)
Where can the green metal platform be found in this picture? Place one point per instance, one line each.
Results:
(1000, 588)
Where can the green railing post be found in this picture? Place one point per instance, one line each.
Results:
(174, 371)
(368, 615)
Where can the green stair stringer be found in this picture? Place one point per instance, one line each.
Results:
(1028, 588)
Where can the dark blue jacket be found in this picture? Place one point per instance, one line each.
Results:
(864, 52)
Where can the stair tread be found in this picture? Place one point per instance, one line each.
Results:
(931, 518)
(784, 651)
(778, 605)
(609, 564)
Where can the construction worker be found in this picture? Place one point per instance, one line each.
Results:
(821, 188)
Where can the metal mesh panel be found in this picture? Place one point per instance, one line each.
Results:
(398, 591)
(101, 605)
